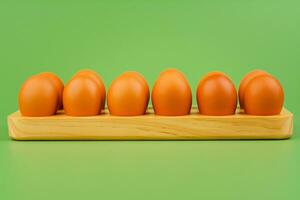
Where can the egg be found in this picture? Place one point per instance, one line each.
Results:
(95, 76)
(38, 97)
(264, 95)
(128, 95)
(82, 97)
(246, 79)
(216, 95)
(58, 84)
(171, 94)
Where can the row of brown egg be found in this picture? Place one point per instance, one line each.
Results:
(128, 95)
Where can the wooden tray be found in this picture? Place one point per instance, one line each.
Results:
(151, 127)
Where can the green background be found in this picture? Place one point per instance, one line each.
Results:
(233, 36)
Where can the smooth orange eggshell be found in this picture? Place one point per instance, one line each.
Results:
(141, 79)
(97, 78)
(171, 94)
(58, 84)
(263, 96)
(38, 97)
(246, 79)
(82, 97)
(216, 95)
(128, 95)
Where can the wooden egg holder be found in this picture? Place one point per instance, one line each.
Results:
(151, 127)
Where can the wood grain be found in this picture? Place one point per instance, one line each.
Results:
(151, 127)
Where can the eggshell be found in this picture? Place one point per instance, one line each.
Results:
(171, 94)
(216, 95)
(264, 95)
(128, 95)
(58, 84)
(97, 78)
(38, 97)
(244, 82)
(141, 79)
(82, 97)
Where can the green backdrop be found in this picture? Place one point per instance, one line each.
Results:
(233, 36)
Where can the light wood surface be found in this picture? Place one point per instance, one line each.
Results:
(151, 127)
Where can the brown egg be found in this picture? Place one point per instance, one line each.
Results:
(95, 76)
(244, 82)
(171, 94)
(263, 96)
(82, 97)
(58, 84)
(128, 95)
(38, 97)
(216, 95)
